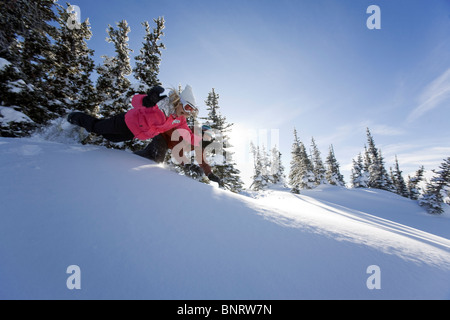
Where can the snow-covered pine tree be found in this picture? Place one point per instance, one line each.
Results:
(333, 173)
(266, 164)
(294, 174)
(276, 167)
(70, 86)
(371, 162)
(359, 177)
(224, 166)
(433, 199)
(446, 194)
(388, 183)
(146, 72)
(260, 179)
(215, 119)
(26, 31)
(267, 169)
(149, 58)
(319, 169)
(112, 83)
(366, 163)
(398, 181)
(301, 175)
(378, 175)
(413, 184)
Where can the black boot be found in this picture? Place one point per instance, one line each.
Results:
(74, 118)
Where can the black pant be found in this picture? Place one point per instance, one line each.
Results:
(156, 150)
(113, 129)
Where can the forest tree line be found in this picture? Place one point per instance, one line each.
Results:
(308, 170)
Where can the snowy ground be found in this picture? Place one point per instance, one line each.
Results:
(139, 231)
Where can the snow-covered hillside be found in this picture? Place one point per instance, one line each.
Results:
(138, 230)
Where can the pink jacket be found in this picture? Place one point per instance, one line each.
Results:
(146, 123)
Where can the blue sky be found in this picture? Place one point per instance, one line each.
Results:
(313, 65)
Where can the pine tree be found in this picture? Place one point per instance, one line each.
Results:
(215, 119)
(413, 184)
(268, 169)
(333, 173)
(366, 163)
(69, 85)
(26, 33)
(112, 83)
(378, 176)
(447, 194)
(276, 167)
(224, 166)
(294, 174)
(433, 199)
(301, 175)
(149, 58)
(398, 181)
(319, 169)
(359, 177)
(21, 19)
(266, 164)
(260, 179)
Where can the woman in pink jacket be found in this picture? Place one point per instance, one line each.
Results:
(145, 121)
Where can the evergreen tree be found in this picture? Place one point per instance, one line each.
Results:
(260, 179)
(21, 19)
(413, 184)
(112, 83)
(149, 58)
(378, 176)
(266, 170)
(276, 167)
(333, 173)
(301, 175)
(215, 119)
(398, 181)
(388, 183)
(359, 177)
(447, 194)
(294, 174)
(69, 85)
(266, 164)
(224, 166)
(26, 33)
(318, 167)
(433, 199)
(366, 163)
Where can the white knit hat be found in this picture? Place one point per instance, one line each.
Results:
(187, 96)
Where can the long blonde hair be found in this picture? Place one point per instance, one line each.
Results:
(174, 98)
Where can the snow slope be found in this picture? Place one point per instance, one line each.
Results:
(140, 231)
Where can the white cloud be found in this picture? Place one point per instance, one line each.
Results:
(385, 130)
(380, 129)
(433, 95)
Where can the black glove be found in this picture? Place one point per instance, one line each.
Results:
(153, 96)
(215, 178)
(194, 169)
